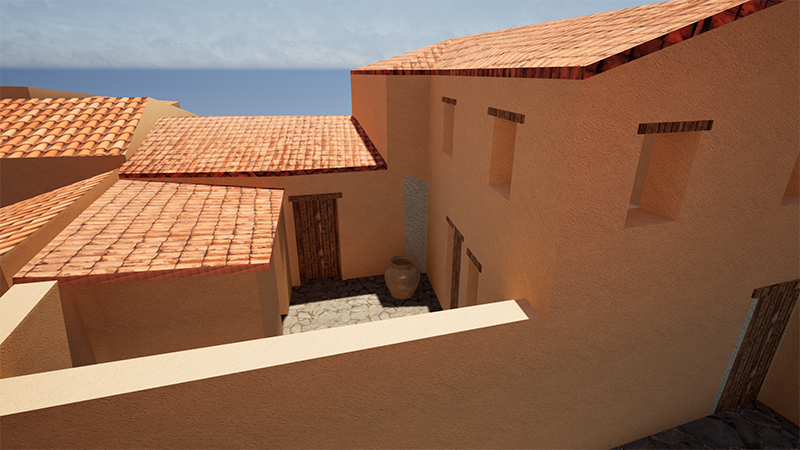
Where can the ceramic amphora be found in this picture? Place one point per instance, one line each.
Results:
(402, 277)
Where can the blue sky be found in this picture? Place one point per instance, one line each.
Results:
(241, 57)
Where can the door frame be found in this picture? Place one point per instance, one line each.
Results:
(765, 331)
(330, 264)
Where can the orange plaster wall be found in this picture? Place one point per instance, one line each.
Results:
(23, 178)
(665, 300)
(513, 238)
(38, 343)
(31, 92)
(139, 318)
(668, 300)
(490, 398)
(370, 215)
(408, 122)
(369, 99)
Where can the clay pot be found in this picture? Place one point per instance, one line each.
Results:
(402, 277)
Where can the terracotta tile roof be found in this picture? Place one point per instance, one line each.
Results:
(146, 229)
(575, 48)
(253, 146)
(22, 219)
(91, 126)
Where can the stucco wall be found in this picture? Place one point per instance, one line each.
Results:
(368, 97)
(514, 238)
(639, 322)
(139, 318)
(490, 398)
(23, 178)
(668, 300)
(33, 335)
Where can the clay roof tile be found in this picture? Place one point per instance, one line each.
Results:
(577, 42)
(30, 121)
(253, 146)
(119, 235)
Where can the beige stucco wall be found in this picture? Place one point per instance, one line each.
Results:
(23, 178)
(32, 92)
(513, 238)
(369, 99)
(370, 215)
(32, 330)
(666, 300)
(669, 299)
(483, 402)
(639, 323)
(16, 258)
(131, 319)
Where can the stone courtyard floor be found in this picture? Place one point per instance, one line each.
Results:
(751, 425)
(331, 302)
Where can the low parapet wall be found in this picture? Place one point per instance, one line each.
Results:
(380, 383)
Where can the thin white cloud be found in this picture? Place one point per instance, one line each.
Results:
(253, 34)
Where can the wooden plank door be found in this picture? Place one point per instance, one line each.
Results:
(760, 343)
(316, 229)
(455, 270)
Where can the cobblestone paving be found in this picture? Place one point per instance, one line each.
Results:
(752, 425)
(332, 302)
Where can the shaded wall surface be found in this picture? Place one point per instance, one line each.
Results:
(662, 290)
(640, 321)
(491, 398)
(121, 320)
(33, 335)
(669, 299)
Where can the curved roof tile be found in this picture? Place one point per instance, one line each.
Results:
(253, 146)
(575, 48)
(22, 219)
(148, 229)
(25, 123)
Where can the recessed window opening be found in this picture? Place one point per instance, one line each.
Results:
(792, 194)
(448, 125)
(472, 279)
(665, 163)
(504, 135)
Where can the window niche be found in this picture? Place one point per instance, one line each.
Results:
(448, 124)
(662, 175)
(504, 135)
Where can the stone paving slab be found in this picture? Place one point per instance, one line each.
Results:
(751, 425)
(332, 302)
